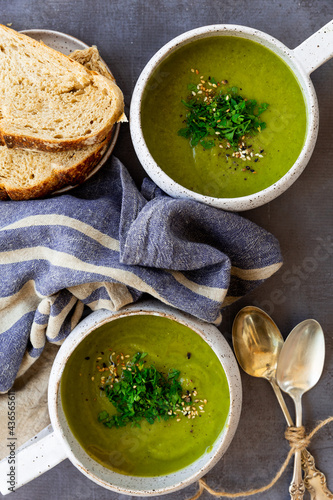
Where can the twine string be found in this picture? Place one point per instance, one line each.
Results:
(297, 439)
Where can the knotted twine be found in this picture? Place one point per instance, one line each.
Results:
(297, 439)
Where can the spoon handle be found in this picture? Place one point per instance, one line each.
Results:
(314, 479)
(297, 486)
(282, 402)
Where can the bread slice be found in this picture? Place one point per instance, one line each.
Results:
(28, 174)
(48, 101)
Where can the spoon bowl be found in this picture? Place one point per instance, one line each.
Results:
(302, 357)
(257, 342)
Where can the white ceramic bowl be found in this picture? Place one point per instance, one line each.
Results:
(302, 61)
(57, 442)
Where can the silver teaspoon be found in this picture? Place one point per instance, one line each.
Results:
(299, 368)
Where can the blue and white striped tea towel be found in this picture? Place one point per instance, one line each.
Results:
(106, 244)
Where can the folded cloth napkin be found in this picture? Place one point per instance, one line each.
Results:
(106, 244)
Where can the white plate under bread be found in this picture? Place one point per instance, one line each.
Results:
(67, 44)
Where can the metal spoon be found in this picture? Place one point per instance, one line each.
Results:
(300, 366)
(257, 344)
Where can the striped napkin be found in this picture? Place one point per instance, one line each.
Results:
(106, 244)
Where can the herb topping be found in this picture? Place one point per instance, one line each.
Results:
(141, 392)
(215, 114)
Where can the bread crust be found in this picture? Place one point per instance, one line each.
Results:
(35, 144)
(26, 140)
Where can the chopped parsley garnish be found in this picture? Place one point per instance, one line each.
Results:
(143, 393)
(220, 115)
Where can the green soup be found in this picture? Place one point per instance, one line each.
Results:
(151, 449)
(258, 74)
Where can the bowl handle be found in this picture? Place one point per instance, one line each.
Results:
(33, 458)
(316, 49)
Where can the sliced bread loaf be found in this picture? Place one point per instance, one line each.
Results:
(28, 174)
(48, 101)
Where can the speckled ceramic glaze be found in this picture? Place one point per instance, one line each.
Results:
(56, 442)
(145, 486)
(302, 61)
(67, 44)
